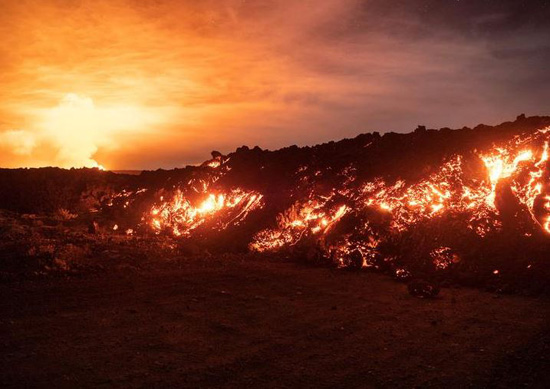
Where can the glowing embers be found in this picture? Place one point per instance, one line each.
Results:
(441, 192)
(501, 165)
(357, 250)
(443, 257)
(312, 218)
(524, 172)
(546, 222)
(180, 215)
(520, 162)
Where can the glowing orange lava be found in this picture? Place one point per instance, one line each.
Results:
(181, 216)
(522, 162)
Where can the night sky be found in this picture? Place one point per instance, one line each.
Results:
(131, 84)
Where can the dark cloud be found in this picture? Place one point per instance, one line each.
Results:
(469, 17)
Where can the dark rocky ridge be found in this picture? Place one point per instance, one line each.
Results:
(391, 155)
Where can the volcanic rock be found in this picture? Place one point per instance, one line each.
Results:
(423, 289)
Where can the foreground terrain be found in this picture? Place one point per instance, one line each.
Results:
(231, 322)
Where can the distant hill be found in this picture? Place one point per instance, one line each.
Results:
(129, 172)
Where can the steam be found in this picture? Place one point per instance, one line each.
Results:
(71, 132)
(18, 141)
(66, 135)
(72, 128)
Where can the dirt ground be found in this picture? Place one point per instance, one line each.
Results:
(236, 323)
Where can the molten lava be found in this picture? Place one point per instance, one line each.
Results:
(180, 216)
(355, 222)
(522, 163)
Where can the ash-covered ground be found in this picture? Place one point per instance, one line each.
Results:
(292, 268)
(152, 320)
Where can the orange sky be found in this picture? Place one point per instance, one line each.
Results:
(131, 84)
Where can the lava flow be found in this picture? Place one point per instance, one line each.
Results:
(515, 175)
(181, 217)
(512, 173)
(471, 203)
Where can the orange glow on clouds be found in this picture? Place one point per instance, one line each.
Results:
(159, 83)
(120, 82)
(74, 129)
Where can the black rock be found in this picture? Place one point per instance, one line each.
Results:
(423, 289)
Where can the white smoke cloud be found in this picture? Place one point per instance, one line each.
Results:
(18, 142)
(74, 130)
(66, 135)
(71, 132)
